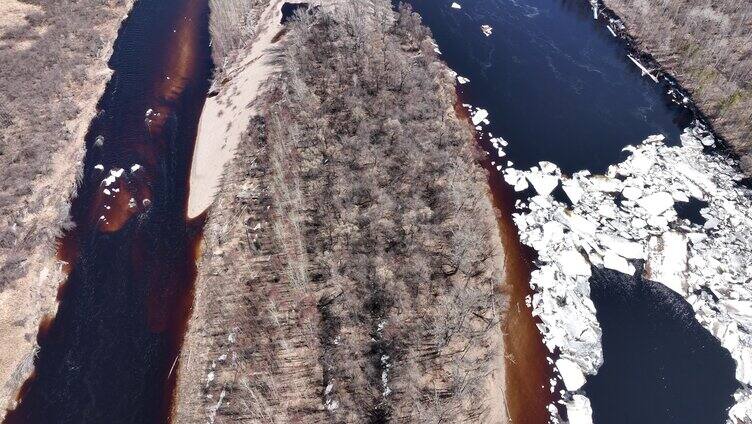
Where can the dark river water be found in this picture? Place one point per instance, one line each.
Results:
(559, 87)
(110, 353)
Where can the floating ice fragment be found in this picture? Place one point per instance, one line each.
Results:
(708, 140)
(613, 261)
(99, 167)
(656, 203)
(521, 185)
(544, 184)
(487, 30)
(621, 246)
(135, 167)
(479, 116)
(570, 373)
(462, 80)
(572, 263)
(655, 138)
(573, 190)
(605, 184)
(456, 5)
(579, 411)
(631, 193)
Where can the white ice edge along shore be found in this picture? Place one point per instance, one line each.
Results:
(686, 257)
(714, 256)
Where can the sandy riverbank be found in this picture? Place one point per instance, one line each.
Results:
(30, 273)
(226, 115)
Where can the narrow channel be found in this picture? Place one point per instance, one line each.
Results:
(559, 87)
(110, 353)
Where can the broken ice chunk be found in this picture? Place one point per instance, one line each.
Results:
(613, 261)
(573, 190)
(572, 263)
(544, 184)
(479, 116)
(521, 185)
(656, 203)
(462, 80)
(456, 6)
(487, 29)
(621, 246)
(579, 411)
(655, 138)
(631, 193)
(570, 373)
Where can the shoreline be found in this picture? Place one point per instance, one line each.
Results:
(527, 371)
(682, 90)
(36, 291)
(226, 115)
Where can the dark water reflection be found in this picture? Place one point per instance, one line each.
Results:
(661, 365)
(109, 355)
(557, 85)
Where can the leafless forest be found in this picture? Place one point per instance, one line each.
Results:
(706, 45)
(352, 266)
(232, 24)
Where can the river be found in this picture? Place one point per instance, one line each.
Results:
(559, 87)
(110, 353)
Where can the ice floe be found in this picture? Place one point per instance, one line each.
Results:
(628, 215)
(456, 5)
(479, 116)
(114, 175)
(462, 80)
(487, 30)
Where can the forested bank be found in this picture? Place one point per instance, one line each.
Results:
(352, 267)
(706, 46)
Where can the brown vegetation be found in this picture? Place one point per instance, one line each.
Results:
(53, 68)
(232, 24)
(352, 263)
(42, 92)
(707, 46)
